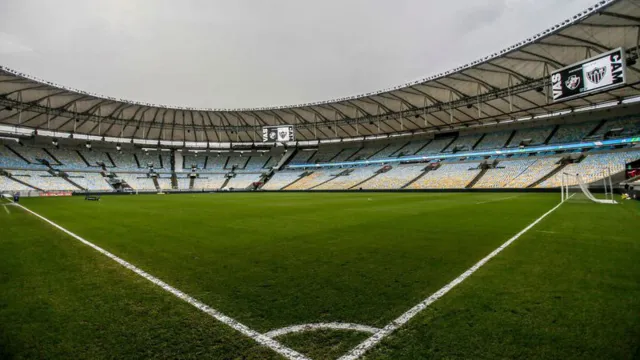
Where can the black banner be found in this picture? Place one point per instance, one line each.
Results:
(278, 133)
(599, 73)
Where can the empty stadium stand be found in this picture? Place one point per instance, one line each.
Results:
(28, 167)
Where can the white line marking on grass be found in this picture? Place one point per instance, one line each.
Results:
(319, 326)
(359, 350)
(496, 200)
(258, 337)
(6, 208)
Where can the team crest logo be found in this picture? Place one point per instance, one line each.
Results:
(283, 134)
(272, 135)
(597, 74)
(572, 82)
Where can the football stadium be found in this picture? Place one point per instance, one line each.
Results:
(486, 212)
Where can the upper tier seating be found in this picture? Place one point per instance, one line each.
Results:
(366, 152)
(506, 172)
(411, 148)
(448, 176)
(8, 159)
(95, 156)
(593, 168)
(90, 181)
(272, 162)
(166, 161)
(345, 154)
(395, 178)
(237, 160)
(69, 159)
(149, 157)
(357, 176)
(324, 154)
(434, 147)
(198, 160)
(124, 161)
(256, 162)
(388, 152)
(34, 154)
(535, 172)
(242, 181)
(302, 157)
(464, 142)
(216, 162)
(494, 140)
(282, 179)
(537, 135)
(630, 126)
(571, 133)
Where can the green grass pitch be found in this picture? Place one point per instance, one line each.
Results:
(569, 288)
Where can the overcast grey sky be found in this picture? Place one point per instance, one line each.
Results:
(250, 53)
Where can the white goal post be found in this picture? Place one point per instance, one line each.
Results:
(574, 188)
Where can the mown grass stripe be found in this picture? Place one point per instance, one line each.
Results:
(359, 350)
(245, 330)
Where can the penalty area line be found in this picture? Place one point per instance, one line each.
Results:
(245, 330)
(363, 347)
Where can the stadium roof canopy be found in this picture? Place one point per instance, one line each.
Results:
(513, 83)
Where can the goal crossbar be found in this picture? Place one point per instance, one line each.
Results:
(572, 184)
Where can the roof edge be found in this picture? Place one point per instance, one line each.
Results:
(600, 5)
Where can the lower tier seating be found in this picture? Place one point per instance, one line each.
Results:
(357, 176)
(137, 181)
(448, 176)
(242, 181)
(395, 178)
(282, 179)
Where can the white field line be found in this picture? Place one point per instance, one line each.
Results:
(496, 200)
(319, 326)
(258, 337)
(6, 208)
(359, 350)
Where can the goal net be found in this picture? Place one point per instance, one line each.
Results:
(574, 188)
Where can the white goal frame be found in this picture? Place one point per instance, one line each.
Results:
(578, 185)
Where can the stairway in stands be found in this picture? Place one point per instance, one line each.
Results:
(226, 181)
(303, 175)
(549, 175)
(66, 177)
(343, 173)
(552, 134)
(383, 170)
(21, 182)
(475, 180)
(424, 172)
